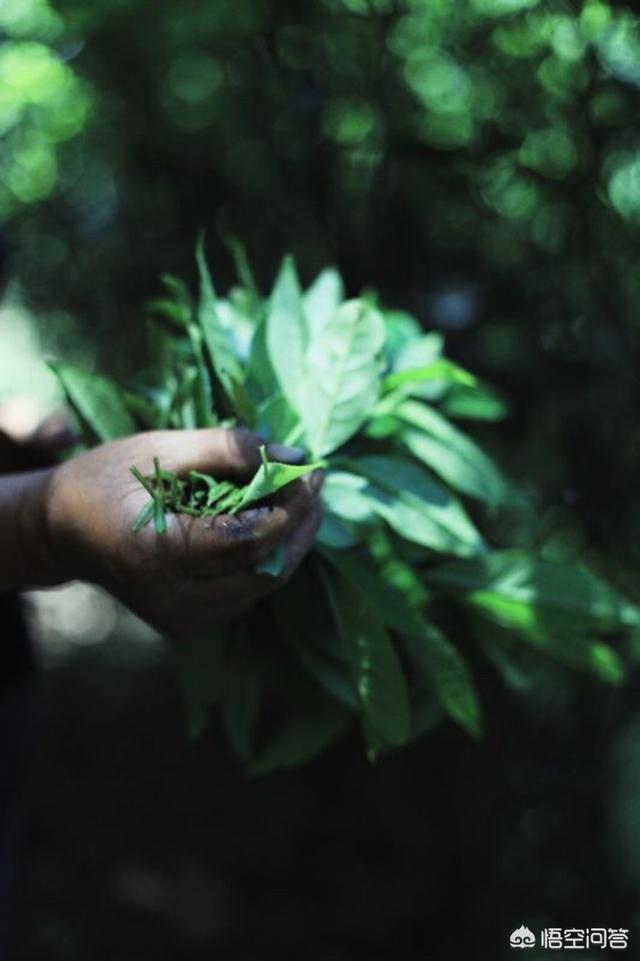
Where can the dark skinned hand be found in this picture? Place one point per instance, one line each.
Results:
(202, 571)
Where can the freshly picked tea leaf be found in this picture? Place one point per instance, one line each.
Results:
(201, 495)
(270, 477)
(363, 629)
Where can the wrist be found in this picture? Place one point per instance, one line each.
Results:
(45, 561)
(27, 555)
(59, 558)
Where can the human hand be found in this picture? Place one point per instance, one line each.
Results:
(201, 572)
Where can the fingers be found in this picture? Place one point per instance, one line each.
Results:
(223, 585)
(231, 596)
(301, 541)
(233, 454)
(230, 543)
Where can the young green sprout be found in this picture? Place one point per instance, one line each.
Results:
(202, 495)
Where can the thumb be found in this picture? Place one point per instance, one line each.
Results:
(232, 453)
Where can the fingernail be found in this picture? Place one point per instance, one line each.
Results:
(287, 455)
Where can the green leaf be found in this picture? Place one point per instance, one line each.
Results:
(401, 329)
(184, 414)
(520, 591)
(97, 400)
(606, 663)
(147, 413)
(419, 351)
(509, 657)
(202, 393)
(328, 371)
(304, 618)
(178, 308)
(241, 692)
(145, 516)
(556, 637)
(439, 370)
(322, 299)
(243, 268)
(376, 669)
(276, 420)
(199, 665)
(449, 453)
(168, 352)
(344, 494)
(337, 533)
(447, 671)
(241, 403)
(436, 657)
(217, 341)
(381, 427)
(261, 380)
(342, 381)
(179, 291)
(477, 403)
(286, 332)
(159, 518)
(272, 476)
(239, 315)
(311, 726)
(417, 506)
(391, 604)
(395, 569)
(169, 310)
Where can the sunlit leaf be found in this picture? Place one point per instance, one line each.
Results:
(97, 400)
(216, 338)
(322, 299)
(270, 477)
(519, 589)
(417, 506)
(449, 453)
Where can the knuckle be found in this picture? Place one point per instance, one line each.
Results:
(242, 446)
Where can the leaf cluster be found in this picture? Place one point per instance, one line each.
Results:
(375, 626)
(201, 495)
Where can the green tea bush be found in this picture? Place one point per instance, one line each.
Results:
(358, 633)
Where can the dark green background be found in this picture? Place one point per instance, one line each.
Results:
(478, 163)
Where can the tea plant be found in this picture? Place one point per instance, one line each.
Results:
(201, 495)
(360, 631)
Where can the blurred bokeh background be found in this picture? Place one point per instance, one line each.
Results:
(478, 163)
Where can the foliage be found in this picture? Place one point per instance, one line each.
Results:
(361, 630)
(202, 495)
(468, 159)
(477, 163)
(42, 102)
